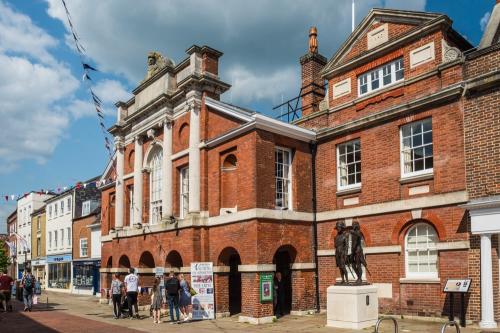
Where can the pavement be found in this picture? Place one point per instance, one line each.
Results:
(60, 312)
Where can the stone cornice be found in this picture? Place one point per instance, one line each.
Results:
(439, 98)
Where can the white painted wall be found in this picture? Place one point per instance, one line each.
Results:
(55, 222)
(95, 243)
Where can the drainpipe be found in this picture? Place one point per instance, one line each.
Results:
(313, 146)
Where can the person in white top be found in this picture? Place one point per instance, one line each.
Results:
(131, 285)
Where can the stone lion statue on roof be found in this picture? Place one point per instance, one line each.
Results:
(156, 62)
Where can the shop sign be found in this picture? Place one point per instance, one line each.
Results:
(39, 262)
(266, 287)
(202, 281)
(59, 258)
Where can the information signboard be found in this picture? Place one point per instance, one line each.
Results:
(266, 287)
(159, 271)
(202, 281)
(457, 286)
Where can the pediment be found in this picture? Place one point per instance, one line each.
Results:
(377, 28)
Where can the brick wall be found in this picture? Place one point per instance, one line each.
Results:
(482, 125)
(81, 230)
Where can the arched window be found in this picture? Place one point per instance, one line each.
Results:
(421, 251)
(155, 184)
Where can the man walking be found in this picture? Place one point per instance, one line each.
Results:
(6, 283)
(131, 285)
(28, 284)
(172, 287)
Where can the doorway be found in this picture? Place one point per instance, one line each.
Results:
(230, 257)
(283, 259)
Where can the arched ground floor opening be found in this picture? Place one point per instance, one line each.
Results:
(230, 258)
(283, 259)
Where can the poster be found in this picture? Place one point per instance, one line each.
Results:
(457, 286)
(266, 287)
(202, 281)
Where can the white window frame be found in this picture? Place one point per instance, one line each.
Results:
(422, 275)
(50, 239)
(341, 187)
(62, 207)
(55, 239)
(290, 179)
(68, 229)
(380, 72)
(82, 248)
(50, 212)
(69, 205)
(62, 238)
(183, 192)
(55, 209)
(86, 208)
(409, 174)
(155, 187)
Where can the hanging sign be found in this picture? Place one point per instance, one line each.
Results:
(202, 281)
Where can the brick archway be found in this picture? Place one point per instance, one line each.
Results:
(400, 229)
(146, 260)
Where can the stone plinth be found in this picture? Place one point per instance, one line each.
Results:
(354, 307)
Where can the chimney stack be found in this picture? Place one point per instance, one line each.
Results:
(313, 89)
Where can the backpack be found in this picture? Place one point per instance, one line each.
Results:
(28, 282)
(172, 286)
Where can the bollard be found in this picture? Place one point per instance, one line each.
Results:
(377, 326)
(47, 304)
(450, 323)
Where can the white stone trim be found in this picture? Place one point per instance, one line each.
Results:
(419, 280)
(302, 312)
(179, 154)
(221, 269)
(422, 55)
(395, 206)
(225, 109)
(367, 250)
(257, 268)
(341, 88)
(113, 270)
(415, 190)
(127, 176)
(260, 213)
(303, 266)
(256, 321)
(377, 36)
(457, 245)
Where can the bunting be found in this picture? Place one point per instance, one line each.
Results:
(87, 69)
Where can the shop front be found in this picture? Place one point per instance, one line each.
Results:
(86, 277)
(38, 270)
(59, 267)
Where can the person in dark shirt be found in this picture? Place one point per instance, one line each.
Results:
(172, 287)
(279, 288)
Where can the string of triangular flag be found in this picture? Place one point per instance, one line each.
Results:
(87, 78)
(6, 197)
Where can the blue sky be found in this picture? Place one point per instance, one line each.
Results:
(49, 133)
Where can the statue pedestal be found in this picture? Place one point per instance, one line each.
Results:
(354, 307)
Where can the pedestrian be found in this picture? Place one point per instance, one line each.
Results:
(6, 283)
(116, 295)
(157, 301)
(185, 297)
(28, 284)
(131, 285)
(279, 291)
(172, 287)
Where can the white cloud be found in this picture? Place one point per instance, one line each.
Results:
(111, 91)
(258, 37)
(484, 20)
(18, 34)
(250, 86)
(36, 90)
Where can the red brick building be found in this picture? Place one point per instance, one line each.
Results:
(196, 179)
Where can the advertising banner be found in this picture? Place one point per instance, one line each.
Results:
(266, 287)
(202, 281)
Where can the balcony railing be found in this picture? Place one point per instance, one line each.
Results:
(291, 110)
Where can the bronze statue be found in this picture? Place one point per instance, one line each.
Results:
(357, 257)
(341, 247)
(313, 41)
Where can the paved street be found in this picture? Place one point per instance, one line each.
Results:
(70, 313)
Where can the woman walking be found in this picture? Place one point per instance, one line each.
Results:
(157, 299)
(185, 299)
(116, 295)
